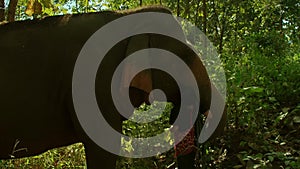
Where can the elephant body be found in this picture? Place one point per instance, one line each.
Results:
(36, 68)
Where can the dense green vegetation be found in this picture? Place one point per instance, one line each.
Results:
(259, 45)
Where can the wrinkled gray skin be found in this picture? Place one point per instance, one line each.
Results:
(36, 67)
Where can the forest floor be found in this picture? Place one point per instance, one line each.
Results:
(275, 146)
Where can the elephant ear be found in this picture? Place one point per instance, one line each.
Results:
(143, 79)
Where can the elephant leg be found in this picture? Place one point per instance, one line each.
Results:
(138, 96)
(187, 161)
(98, 158)
(185, 150)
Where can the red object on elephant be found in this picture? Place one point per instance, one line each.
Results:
(187, 144)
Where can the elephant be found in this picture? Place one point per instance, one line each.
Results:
(36, 69)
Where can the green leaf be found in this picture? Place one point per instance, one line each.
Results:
(238, 166)
(296, 119)
(253, 89)
(271, 158)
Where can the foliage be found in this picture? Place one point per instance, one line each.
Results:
(157, 115)
(66, 157)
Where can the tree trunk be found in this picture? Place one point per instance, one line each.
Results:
(141, 2)
(76, 6)
(160, 1)
(12, 10)
(204, 16)
(2, 16)
(223, 28)
(197, 14)
(221, 39)
(187, 12)
(281, 24)
(204, 9)
(178, 8)
(87, 6)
